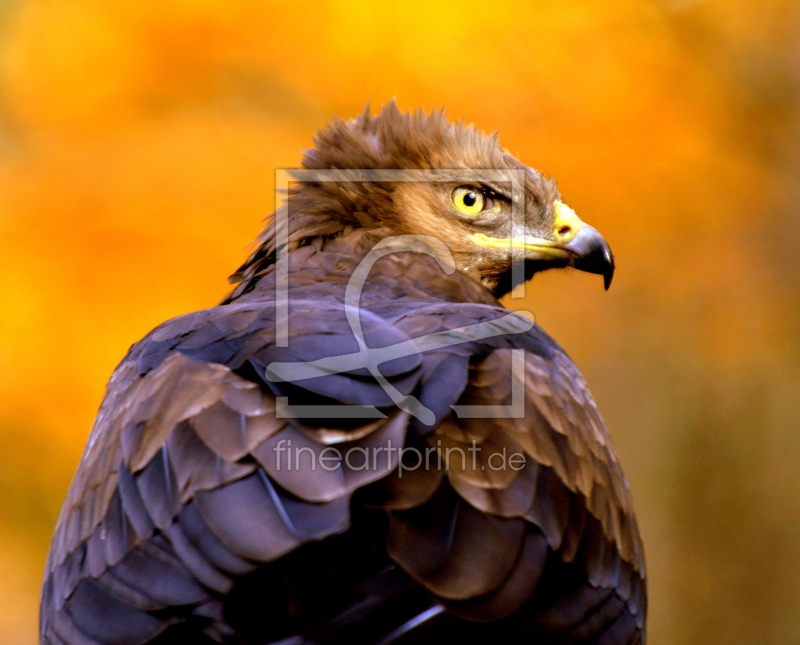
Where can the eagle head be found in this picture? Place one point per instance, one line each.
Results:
(447, 180)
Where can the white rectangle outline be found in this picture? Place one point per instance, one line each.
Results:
(283, 179)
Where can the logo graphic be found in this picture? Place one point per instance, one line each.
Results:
(371, 358)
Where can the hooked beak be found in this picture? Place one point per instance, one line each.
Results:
(592, 254)
(574, 243)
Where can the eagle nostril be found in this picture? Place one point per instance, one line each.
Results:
(564, 230)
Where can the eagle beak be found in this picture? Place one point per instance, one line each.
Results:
(592, 254)
(574, 243)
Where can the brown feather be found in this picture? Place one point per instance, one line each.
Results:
(181, 523)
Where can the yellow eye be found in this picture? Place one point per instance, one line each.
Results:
(469, 200)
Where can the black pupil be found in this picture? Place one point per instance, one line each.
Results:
(470, 199)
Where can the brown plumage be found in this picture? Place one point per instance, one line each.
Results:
(184, 525)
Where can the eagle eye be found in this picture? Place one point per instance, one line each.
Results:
(469, 200)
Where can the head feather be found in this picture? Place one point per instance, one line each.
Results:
(390, 139)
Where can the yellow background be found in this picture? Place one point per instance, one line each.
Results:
(138, 142)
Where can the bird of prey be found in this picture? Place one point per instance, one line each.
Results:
(360, 445)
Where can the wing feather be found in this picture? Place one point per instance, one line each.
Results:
(181, 491)
(570, 493)
(177, 493)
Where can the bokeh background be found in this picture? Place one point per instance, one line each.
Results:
(138, 143)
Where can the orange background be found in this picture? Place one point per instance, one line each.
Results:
(138, 142)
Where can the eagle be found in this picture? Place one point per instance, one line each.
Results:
(361, 445)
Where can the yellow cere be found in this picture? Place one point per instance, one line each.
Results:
(566, 223)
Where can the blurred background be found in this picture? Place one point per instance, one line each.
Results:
(138, 143)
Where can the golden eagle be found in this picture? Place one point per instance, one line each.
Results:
(361, 445)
